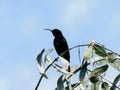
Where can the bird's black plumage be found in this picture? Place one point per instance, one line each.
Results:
(60, 44)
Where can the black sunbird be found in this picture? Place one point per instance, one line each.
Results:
(60, 44)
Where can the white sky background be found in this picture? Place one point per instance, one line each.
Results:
(22, 35)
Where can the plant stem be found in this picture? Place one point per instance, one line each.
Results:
(44, 72)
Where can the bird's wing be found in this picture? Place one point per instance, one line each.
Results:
(61, 46)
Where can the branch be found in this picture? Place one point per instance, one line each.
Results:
(112, 51)
(55, 61)
(45, 72)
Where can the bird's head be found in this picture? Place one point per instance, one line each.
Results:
(55, 32)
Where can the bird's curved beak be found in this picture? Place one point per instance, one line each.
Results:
(48, 29)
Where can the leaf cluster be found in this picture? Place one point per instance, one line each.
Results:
(96, 56)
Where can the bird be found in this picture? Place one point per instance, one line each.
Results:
(60, 44)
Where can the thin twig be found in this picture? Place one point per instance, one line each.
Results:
(73, 48)
(44, 72)
(79, 54)
(112, 51)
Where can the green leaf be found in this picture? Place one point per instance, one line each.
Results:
(105, 86)
(95, 86)
(100, 50)
(94, 79)
(99, 70)
(83, 71)
(113, 60)
(112, 57)
(117, 79)
(101, 61)
(60, 85)
(89, 52)
(39, 57)
(65, 63)
(115, 63)
(39, 62)
(47, 58)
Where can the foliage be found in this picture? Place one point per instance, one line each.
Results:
(96, 56)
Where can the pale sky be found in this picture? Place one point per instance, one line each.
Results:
(22, 35)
